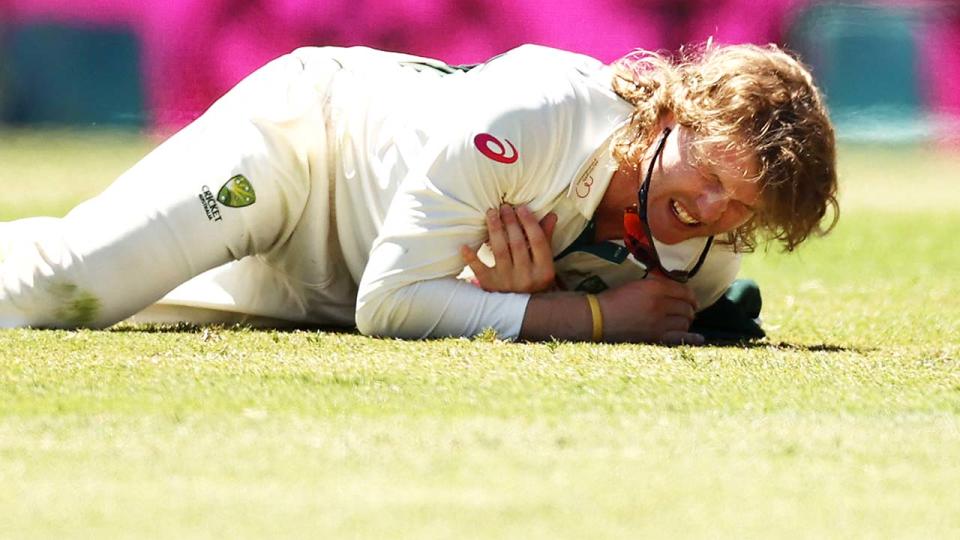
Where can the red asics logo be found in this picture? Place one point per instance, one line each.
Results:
(494, 149)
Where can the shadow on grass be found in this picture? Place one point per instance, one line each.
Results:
(192, 328)
(784, 346)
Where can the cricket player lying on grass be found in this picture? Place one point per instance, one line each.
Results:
(337, 187)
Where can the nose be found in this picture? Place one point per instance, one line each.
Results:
(712, 203)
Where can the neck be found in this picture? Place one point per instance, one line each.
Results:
(620, 194)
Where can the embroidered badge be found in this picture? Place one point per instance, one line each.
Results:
(585, 182)
(237, 192)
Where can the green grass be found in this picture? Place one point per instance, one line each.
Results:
(846, 423)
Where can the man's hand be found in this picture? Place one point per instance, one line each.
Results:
(521, 250)
(654, 310)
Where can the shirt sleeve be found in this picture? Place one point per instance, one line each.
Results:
(496, 148)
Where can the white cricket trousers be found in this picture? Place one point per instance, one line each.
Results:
(184, 209)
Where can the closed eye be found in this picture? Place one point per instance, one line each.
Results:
(716, 182)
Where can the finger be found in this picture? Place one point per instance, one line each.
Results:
(675, 289)
(682, 338)
(673, 323)
(469, 255)
(539, 245)
(519, 249)
(476, 265)
(679, 308)
(498, 240)
(549, 224)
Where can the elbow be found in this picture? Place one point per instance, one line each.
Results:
(395, 313)
(367, 322)
(381, 315)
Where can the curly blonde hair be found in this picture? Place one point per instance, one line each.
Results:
(748, 98)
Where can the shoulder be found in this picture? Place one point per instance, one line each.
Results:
(546, 58)
(539, 71)
(550, 92)
(549, 109)
(533, 93)
(560, 105)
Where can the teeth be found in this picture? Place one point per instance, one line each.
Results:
(684, 216)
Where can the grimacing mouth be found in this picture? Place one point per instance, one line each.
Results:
(683, 215)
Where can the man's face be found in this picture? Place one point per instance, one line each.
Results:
(698, 192)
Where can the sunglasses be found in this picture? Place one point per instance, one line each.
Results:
(637, 234)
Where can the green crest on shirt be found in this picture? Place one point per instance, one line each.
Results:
(237, 192)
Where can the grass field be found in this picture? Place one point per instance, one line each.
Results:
(844, 424)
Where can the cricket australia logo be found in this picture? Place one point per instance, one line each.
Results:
(210, 204)
(237, 192)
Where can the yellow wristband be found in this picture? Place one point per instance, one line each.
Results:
(597, 316)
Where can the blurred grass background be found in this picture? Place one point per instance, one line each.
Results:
(846, 423)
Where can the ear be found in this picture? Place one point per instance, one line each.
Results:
(668, 120)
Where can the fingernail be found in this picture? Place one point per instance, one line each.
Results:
(492, 213)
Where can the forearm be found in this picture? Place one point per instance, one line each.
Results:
(437, 308)
(559, 315)
(650, 310)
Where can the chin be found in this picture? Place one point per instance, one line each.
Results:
(666, 229)
(664, 233)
